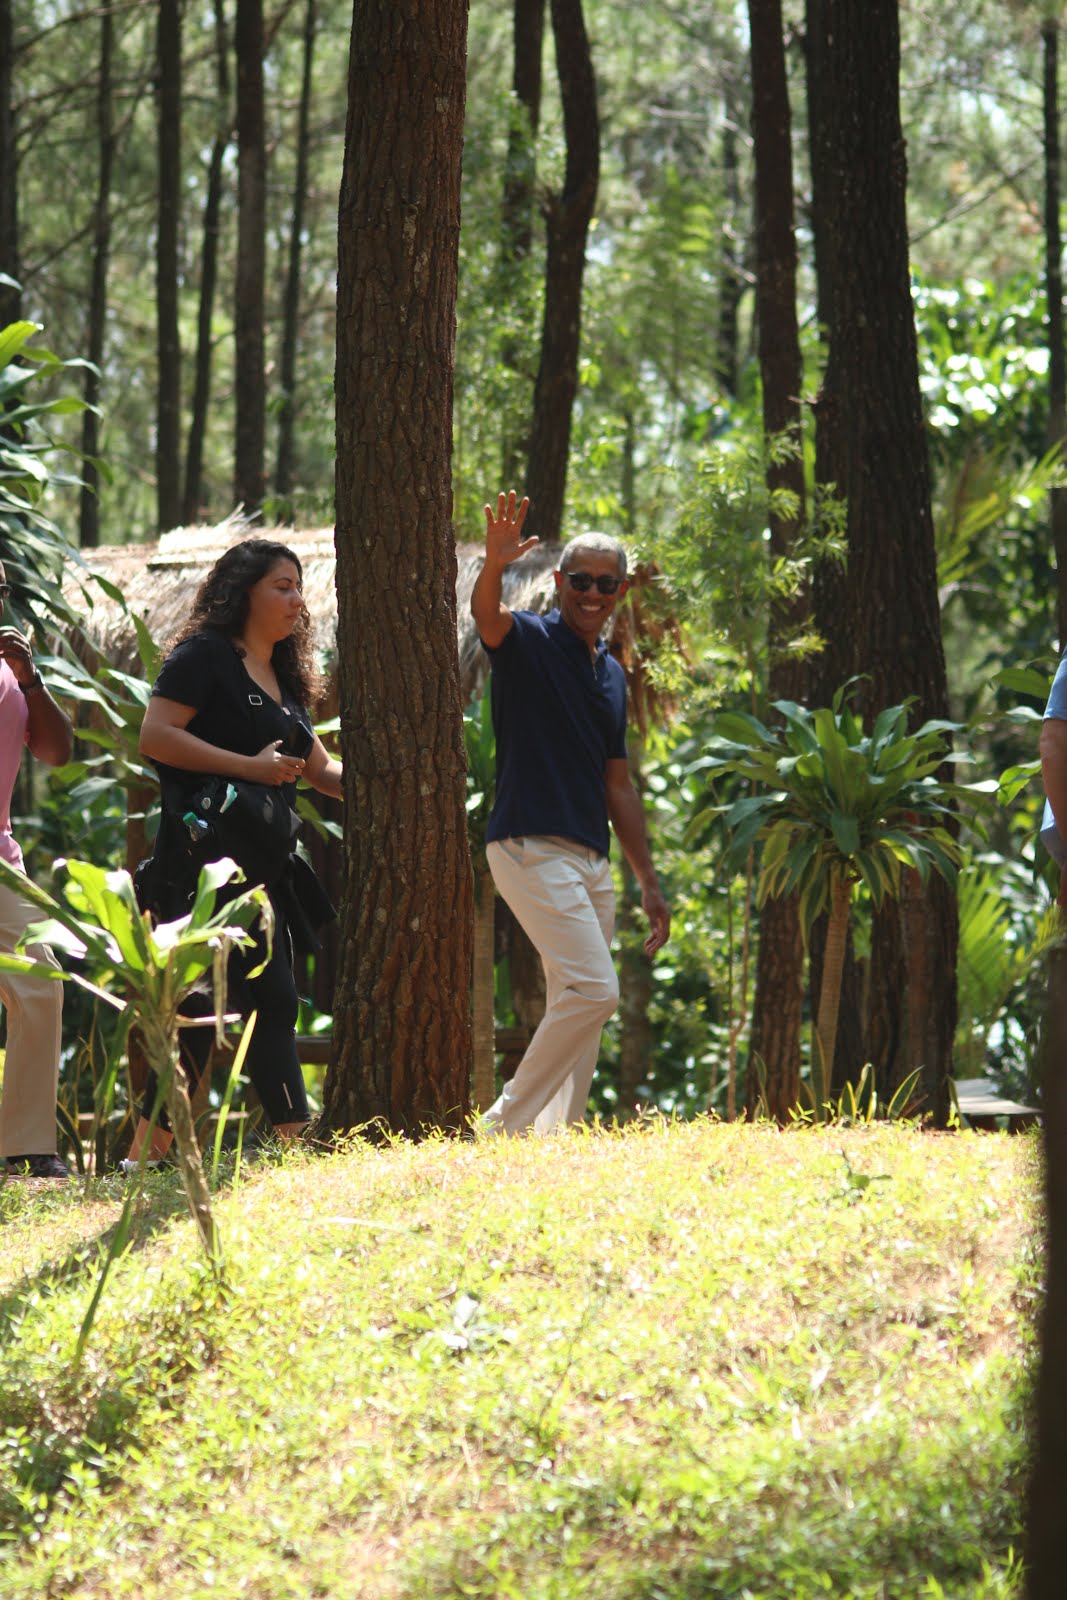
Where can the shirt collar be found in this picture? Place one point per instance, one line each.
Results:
(567, 637)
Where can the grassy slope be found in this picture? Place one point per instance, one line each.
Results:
(676, 1362)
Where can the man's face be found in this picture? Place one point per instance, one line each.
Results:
(585, 610)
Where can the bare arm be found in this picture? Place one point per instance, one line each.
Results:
(322, 771)
(1053, 749)
(49, 736)
(503, 545)
(165, 737)
(627, 817)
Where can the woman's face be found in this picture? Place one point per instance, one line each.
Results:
(276, 601)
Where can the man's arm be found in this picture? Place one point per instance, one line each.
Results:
(49, 736)
(627, 817)
(503, 545)
(1053, 748)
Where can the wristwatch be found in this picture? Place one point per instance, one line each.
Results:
(36, 682)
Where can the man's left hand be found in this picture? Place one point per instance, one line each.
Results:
(659, 917)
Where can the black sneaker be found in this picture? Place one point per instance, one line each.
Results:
(36, 1167)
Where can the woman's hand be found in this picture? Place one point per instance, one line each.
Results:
(273, 766)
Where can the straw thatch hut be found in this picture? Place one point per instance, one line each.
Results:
(158, 581)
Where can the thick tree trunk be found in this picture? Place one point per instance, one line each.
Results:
(10, 295)
(1046, 1525)
(194, 455)
(568, 215)
(483, 1077)
(249, 376)
(89, 504)
(283, 471)
(778, 1005)
(1057, 370)
(168, 417)
(402, 1023)
(889, 621)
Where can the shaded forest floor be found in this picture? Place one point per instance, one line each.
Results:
(679, 1361)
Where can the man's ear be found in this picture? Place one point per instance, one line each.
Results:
(559, 578)
(623, 586)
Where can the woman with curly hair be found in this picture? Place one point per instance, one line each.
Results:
(231, 701)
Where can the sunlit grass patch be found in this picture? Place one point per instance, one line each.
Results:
(680, 1360)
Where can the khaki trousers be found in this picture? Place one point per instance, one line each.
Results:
(564, 898)
(34, 1009)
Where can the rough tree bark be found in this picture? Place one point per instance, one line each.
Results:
(1057, 371)
(889, 623)
(567, 215)
(402, 1027)
(778, 1004)
(168, 411)
(249, 378)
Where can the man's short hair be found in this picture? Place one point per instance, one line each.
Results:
(601, 544)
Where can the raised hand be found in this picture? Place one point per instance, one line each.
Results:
(503, 533)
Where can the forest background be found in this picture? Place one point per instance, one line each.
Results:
(178, 232)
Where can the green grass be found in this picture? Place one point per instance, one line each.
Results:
(676, 1362)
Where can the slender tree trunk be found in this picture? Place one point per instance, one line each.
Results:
(778, 1004)
(731, 276)
(283, 471)
(89, 504)
(402, 1023)
(635, 969)
(1046, 1534)
(1057, 371)
(568, 215)
(830, 995)
(483, 1078)
(194, 455)
(10, 294)
(249, 374)
(168, 421)
(517, 212)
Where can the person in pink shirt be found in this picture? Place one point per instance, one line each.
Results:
(29, 718)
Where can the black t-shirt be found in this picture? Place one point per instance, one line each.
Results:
(232, 710)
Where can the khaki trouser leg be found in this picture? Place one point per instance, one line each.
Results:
(34, 1009)
(564, 899)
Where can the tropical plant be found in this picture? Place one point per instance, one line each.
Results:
(32, 548)
(835, 807)
(145, 973)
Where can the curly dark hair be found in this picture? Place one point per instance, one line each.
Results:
(221, 606)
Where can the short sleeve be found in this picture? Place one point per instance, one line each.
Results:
(1057, 700)
(190, 674)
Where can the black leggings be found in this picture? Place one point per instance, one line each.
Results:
(271, 1060)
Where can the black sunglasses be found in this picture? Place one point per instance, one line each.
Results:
(584, 581)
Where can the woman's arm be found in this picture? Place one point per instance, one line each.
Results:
(165, 737)
(322, 771)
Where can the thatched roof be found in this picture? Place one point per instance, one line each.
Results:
(158, 581)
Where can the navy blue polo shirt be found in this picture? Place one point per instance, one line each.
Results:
(558, 716)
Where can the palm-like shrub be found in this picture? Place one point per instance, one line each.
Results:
(835, 806)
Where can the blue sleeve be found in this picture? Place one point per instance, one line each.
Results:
(1057, 700)
(1057, 707)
